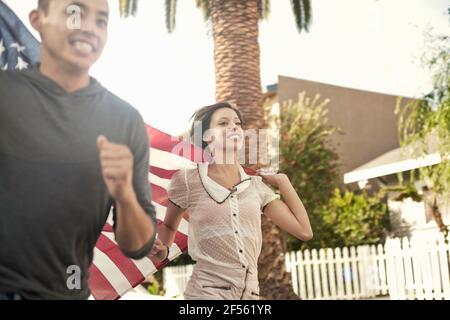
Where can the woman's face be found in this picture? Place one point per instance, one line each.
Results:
(225, 131)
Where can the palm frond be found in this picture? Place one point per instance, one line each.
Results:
(134, 7)
(171, 11)
(308, 14)
(123, 5)
(204, 6)
(302, 13)
(128, 7)
(264, 9)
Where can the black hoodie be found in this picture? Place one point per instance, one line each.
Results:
(53, 201)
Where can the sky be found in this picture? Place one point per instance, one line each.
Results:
(372, 45)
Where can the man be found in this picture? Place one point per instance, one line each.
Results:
(69, 151)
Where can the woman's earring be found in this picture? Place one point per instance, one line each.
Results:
(207, 138)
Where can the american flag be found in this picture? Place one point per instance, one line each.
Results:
(18, 47)
(112, 274)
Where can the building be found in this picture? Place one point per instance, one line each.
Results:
(369, 149)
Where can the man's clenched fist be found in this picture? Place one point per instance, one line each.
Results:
(116, 162)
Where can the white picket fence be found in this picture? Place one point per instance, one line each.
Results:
(348, 273)
(419, 268)
(175, 279)
(415, 268)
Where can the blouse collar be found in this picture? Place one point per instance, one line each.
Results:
(218, 192)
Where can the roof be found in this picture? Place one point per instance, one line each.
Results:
(395, 161)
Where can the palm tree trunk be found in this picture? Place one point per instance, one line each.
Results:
(237, 57)
(237, 64)
(275, 283)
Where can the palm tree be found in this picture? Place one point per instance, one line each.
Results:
(237, 68)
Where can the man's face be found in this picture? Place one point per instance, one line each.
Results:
(74, 32)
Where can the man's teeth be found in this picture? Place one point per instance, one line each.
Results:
(83, 46)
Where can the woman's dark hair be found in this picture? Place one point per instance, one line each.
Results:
(202, 121)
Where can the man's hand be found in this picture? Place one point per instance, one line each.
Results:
(116, 162)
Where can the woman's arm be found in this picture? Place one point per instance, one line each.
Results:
(167, 231)
(290, 214)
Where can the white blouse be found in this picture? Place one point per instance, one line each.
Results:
(224, 225)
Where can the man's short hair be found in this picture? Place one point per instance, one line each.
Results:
(43, 5)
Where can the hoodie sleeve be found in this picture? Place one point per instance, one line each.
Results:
(140, 147)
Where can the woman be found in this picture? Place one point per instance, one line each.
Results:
(225, 207)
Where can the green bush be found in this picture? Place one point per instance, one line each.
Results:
(426, 121)
(312, 164)
(154, 287)
(356, 218)
(309, 160)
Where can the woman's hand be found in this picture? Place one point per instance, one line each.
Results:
(159, 250)
(270, 177)
(289, 214)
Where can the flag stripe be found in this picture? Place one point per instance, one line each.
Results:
(181, 240)
(128, 268)
(112, 272)
(155, 180)
(174, 251)
(163, 141)
(169, 161)
(162, 173)
(101, 288)
(145, 265)
(159, 195)
(108, 228)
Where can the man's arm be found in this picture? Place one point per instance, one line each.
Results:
(135, 231)
(134, 228)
